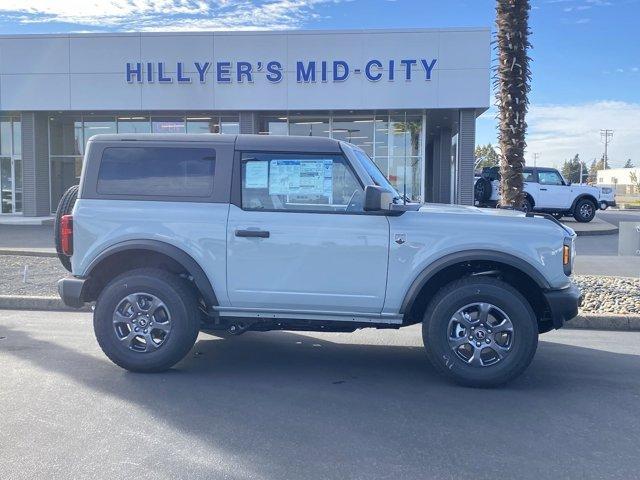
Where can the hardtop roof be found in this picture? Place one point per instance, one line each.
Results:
(280, 143)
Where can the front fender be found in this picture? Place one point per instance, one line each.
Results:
(464, 256)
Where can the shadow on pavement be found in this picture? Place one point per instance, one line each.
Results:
(286, 405)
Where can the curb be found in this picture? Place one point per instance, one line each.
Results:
(21, 302)
(589, 233)
(584, 321)
(596, 321)
(27, 253)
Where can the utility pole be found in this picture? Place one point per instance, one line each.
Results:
(605, 135)
(535, 159)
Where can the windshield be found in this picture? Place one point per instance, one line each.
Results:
(375, 173)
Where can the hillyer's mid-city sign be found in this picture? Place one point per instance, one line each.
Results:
(274, 71)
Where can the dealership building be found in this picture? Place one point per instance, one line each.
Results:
(409, 98)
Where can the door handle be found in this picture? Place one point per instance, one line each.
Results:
(543, 189)
(252, 233)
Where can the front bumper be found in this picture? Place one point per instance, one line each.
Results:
(563, 304)
(70, 290)
(608, 203)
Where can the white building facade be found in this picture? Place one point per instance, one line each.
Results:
(409, 98)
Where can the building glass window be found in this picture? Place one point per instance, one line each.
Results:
(17, 137)
(273, 124)
(168, 125)
(5, 137)
(10, 165)
(65, 172)
(98, 125)
(134, 124)
(229, 125)
(202, 124)
(309, 126)
(355, 130)
(65, 135)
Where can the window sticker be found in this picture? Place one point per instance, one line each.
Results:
(256, 174)
(301, 177)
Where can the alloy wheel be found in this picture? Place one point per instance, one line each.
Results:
(586, 210)
(142, 322)
(481, 334)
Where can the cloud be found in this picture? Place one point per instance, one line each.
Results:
(558, 132)
(153, 15)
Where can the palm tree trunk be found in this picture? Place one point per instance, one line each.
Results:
(512, 81)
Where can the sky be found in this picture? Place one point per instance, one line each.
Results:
(585, 56)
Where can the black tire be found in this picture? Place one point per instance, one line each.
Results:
(65, 207)
(182, 308)
(482, 190)
(465, 292)
(557, 215)
(584, 211)
(527, 206)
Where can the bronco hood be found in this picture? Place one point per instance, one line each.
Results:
(468, 210)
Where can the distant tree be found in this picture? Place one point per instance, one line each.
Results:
(635, 181)
(593, 172)
(571, 170)
(486, 156)
(595, 166)
(629, 164)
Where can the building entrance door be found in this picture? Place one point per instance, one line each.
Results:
(10, 185)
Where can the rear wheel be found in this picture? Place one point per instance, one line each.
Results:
(584, 211)
(65, 207)
(146, 320)
(480, 332)
(557, 215)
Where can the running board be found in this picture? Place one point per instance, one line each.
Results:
(308, 315)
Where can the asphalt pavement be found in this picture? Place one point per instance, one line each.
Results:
(304, 406)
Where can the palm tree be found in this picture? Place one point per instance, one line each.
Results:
(512, 83)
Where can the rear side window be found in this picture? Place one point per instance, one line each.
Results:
(156, 171)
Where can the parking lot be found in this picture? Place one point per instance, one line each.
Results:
(291, 405)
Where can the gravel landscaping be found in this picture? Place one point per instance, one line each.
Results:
(42, 274)
(609, 295)
(605, 295)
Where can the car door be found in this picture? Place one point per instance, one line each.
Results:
(553, 193)
(298, 238)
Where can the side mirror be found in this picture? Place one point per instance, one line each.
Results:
(568, 183)
(377, 199)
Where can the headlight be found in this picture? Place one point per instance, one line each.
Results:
(607, 190)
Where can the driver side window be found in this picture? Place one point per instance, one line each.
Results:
(299, 182)
(549, 178)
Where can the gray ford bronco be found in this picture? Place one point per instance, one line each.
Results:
(171, 235)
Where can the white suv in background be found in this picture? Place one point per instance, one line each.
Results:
(547, 191)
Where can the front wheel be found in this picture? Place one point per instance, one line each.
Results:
(480, 332)
(146, 320)
(526, 205)
(585, 211)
